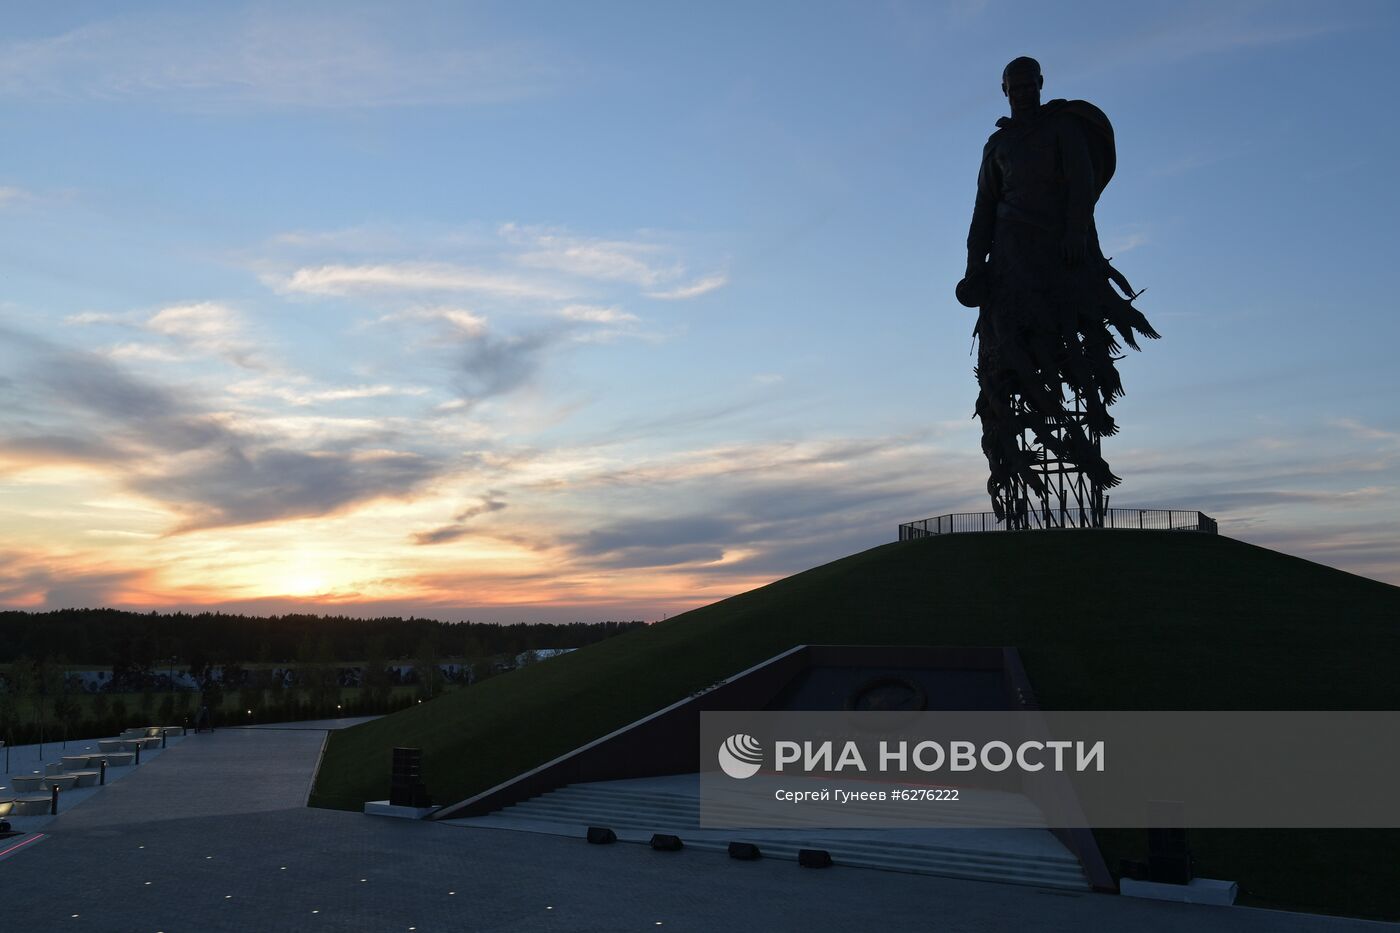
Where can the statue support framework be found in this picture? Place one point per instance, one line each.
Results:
(1069, 497)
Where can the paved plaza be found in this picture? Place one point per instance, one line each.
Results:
(214, 835)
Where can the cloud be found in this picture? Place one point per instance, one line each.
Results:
(595, 324)
(33, 581)
(1224, 31)
(596, 315)
(461, 277)
(1237, 499)
(441, 535)
(1203, 28)
(11, 195)
(749, 511)
(304, 396)
(409, 277)
(460, 323)
(694, 289)
(489, 365)
(82, 385)
(242, 485)
(207, 327)
(274, 59)
(94, 317)
(644, 263)
(1366, 431)
(491, 502)
(22, 450)
(165, 444)
(653, 533)
(204, 321)
(149, 352)
(355, 392)
(604, 260)
(1120, 243)
(1189, 162)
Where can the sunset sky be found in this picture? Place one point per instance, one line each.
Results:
(577, 311)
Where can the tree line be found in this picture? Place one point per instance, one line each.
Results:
(245, 668)
(119, 639)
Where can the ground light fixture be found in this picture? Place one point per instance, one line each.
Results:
(744, 851)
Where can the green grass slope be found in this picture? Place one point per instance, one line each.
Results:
(1103, 620)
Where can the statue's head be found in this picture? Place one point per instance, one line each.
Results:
(1021, 82)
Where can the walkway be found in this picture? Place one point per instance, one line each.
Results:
(213, 835)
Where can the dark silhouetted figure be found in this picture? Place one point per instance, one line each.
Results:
(1046, 331)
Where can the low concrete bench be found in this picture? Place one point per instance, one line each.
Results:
(28, 783)
(37, 805)
(61, 781)
(141, 732)
(7, 804)
(86, 778)
(77, 762)
(110, 745)
(53, 767)
(118, 759)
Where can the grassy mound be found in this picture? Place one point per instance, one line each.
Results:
(1103, 620)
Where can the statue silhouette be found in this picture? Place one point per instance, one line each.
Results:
(1048, 318)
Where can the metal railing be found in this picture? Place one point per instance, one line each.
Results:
(1141, 519)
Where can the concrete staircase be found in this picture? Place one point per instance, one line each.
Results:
(635, 809)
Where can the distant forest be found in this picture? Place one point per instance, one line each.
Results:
(141, 641)
(243, 669)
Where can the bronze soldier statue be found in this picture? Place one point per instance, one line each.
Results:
(1046, 329)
